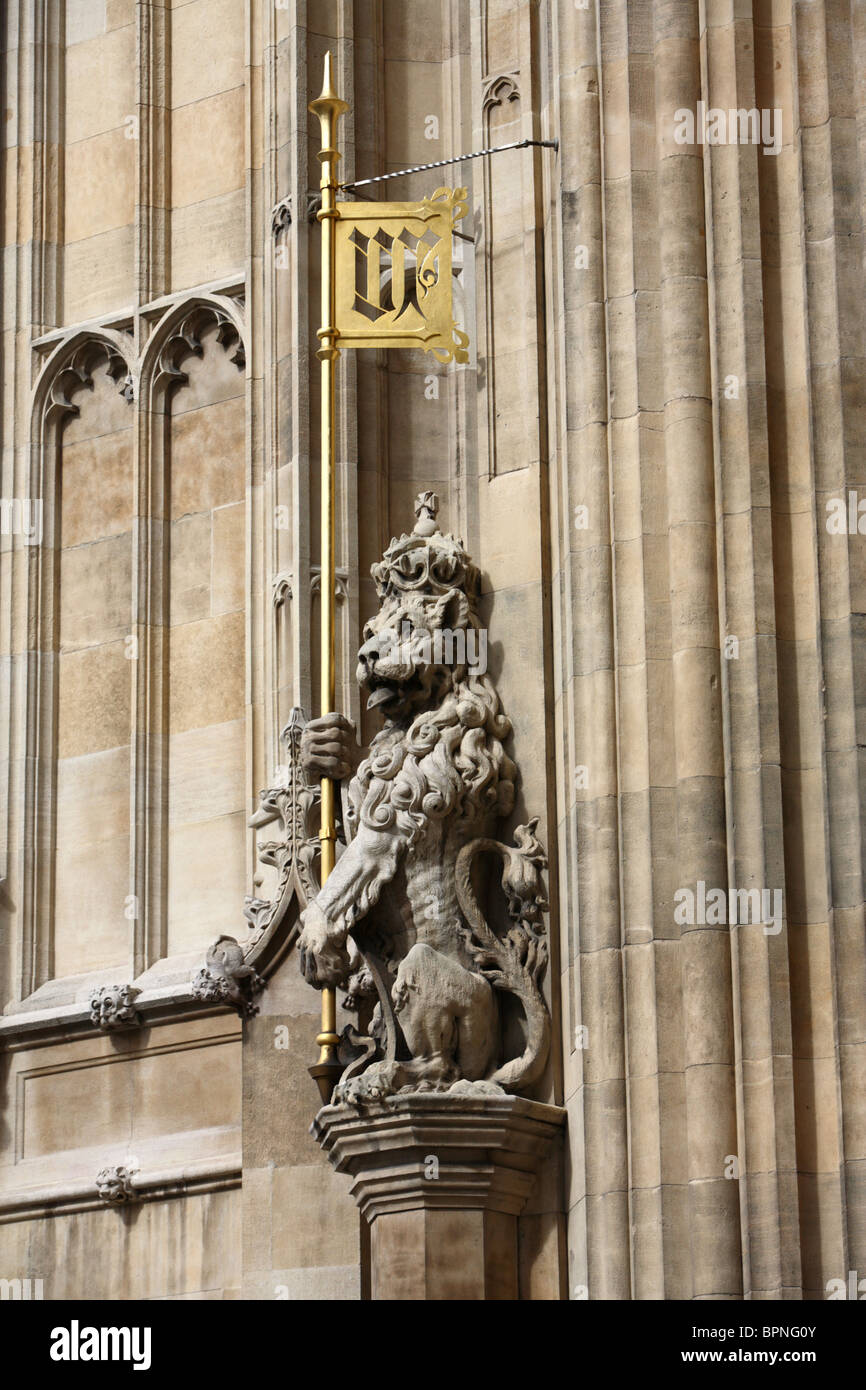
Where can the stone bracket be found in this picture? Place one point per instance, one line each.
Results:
(441, 1178)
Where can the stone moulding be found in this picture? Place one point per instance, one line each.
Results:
(488, 1150)
(216, 1174)
(162, 1004)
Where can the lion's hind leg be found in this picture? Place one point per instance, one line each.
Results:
(447, 1016)
(445, 1012)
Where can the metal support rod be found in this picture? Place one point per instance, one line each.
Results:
(328, 107)
(457, 159)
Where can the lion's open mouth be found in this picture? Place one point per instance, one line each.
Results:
(381, 696)
(384, 694)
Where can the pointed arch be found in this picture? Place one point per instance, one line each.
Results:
(177, 335)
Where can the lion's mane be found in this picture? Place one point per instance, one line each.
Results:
(450, 761)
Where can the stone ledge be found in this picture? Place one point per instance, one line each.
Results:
(191, 1179)
(59, 1011)
(60, 1024)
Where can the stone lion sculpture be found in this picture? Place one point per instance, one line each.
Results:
(399, 917)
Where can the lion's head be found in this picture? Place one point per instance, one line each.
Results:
(426, 638)
(416, 649)
(423, 661)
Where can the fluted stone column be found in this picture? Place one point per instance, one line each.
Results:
(441, 1179)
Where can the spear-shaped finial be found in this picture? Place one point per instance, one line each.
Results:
(327, 85)
(328, 106)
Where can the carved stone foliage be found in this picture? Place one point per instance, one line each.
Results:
(225, 978)
(113, 1006)
(287, 814)
(450, 982)
(291, 807)
(114, 1186)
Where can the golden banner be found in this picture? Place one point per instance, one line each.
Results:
(393, 275)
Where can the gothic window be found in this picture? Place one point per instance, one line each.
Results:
(137, 737)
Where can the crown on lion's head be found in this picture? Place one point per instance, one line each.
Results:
(426, 562)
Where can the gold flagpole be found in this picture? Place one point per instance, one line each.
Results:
(328, 107)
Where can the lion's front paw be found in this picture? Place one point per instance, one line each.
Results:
(329, 748)
(323, 956)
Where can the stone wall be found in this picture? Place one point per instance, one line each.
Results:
(664, 391)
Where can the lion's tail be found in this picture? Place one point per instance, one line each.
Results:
(516, 962)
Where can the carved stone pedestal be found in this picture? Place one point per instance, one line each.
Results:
(441, 1178)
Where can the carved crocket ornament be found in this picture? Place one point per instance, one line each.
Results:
(400, 921)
